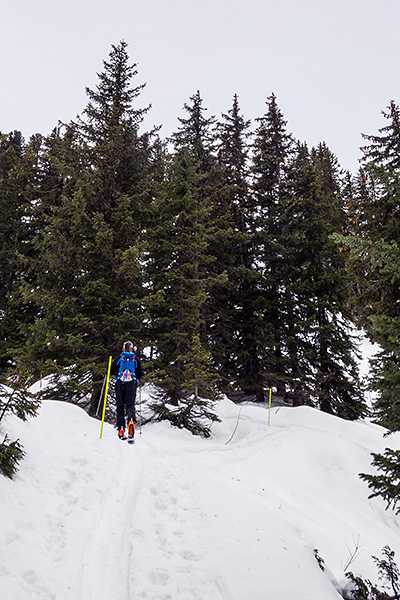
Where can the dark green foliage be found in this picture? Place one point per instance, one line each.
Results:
(320, 345)
(228, 304)
(265, 362)
(89, 290)
(376, 269)
(191, 413)
(389, 575)
(179, 283)
(319, 559)
(389, 572)
(300, 306)
(385, 371)
(298, 239)
(382, 163)
(15, 399)
(333, 357)
(181, 271)
(374, 229)
(218, 257)
(18, 171)
(386, 485)
(11, 453)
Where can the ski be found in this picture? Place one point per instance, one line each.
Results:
(130, 440)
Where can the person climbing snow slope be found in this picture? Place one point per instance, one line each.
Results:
(128, 371)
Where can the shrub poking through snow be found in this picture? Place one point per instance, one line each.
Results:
(15, 398)
(386, 485)
(10, 455)
(389, 575)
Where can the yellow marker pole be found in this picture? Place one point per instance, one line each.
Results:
(269, 410)
(105, 396)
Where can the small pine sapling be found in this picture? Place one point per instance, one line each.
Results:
(15, 398)
(387, 484)
(388, 574)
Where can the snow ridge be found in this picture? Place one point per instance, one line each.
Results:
(179, 517)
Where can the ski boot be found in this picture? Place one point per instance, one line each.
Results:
(131, 431)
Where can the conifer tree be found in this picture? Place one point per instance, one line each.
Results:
(387, 483)
(11, 149)
(319, 348)
(334, 349)
(89, 278)
(375, 260)
(389, 580)
(382, 163)
(266, 363)
(299, 218)
(227, 305)
(18, 176)
(181, 275)
(15, 398)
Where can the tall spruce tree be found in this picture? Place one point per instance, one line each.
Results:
(375, 260)
(298, 224)
(266, 362)
(181, 275)
(19, 165)
(382, 163)
(11, 150)
(89, 278)
(227, 305)
(51, 268)
(336, 386)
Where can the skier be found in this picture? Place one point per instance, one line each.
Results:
(128, 371)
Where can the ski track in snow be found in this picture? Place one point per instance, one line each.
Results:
(164, 561)
(109, 550)
(175, 517)
(188, 551)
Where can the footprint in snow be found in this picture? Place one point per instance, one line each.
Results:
(159, 577)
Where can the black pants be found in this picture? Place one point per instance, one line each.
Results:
(125, 394)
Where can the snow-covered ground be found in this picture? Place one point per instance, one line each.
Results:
(178, 517)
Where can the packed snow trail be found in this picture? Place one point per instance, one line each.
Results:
(108, 552)
(176, 517)
(173, 528)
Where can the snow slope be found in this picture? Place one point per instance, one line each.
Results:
(178, 517)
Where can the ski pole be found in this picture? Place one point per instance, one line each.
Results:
(269, 410)
(105, 395)
(140, 408)
(101, 394)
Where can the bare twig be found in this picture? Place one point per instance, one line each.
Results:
(353, 554)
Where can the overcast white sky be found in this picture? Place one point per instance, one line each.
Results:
(334, 65)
